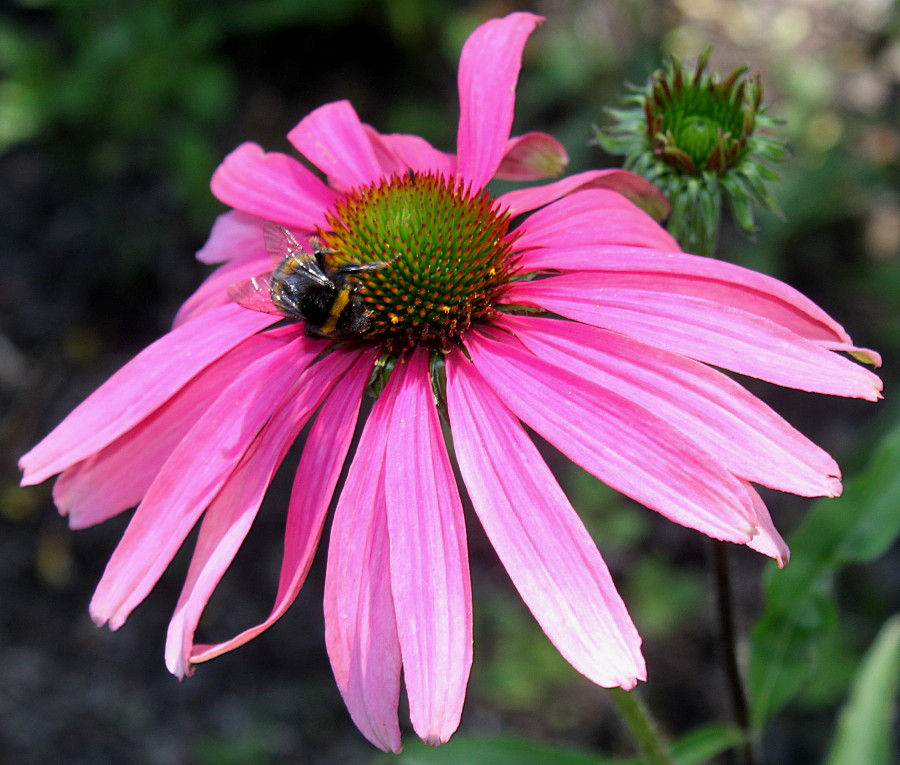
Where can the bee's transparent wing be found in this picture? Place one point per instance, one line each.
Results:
(254, 294)
(281, 244)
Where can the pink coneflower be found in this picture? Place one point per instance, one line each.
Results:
(563, 307)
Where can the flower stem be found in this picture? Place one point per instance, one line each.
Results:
(696, 216)
(643, 727)
(725, 610)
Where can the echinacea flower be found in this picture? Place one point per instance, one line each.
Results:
(562, 307)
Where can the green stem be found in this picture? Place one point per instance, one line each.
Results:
(702, 234)
(643, 727)
(740, 710)
(696, 216)
(701, 231)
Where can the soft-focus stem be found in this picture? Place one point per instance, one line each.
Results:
(702, 240)
(725, 609)
(705, 244)
(695, 219)
(643, 727)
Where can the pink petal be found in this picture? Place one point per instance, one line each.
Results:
(314, 483)
(586, 220)
(488, 71)
(865, 355)
(672, 272)
(146, 382)
(539, 538)
(429, 559)
(272, 186)
(335, 141)
(233, 235)
(768, 541)
(195, 472)
(212, 293)
(399, 153)
(615, 439)
(532, 156)
(702, 329)
(232, 512)
(643, 193)
(117, 477)
(720, 416)
(360, 628)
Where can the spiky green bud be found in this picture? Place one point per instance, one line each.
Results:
(698, 138)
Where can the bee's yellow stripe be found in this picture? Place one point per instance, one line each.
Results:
(337, 308)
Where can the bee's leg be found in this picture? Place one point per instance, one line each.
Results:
(358, 268)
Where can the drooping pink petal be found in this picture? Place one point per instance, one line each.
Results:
(314, 483)
(429, 560)
(719, 415)
(538, 536)
(194, 474)
(488, 71)
(586, 220)
(768, 541)
(672, 272)
(643, 193)
(229, 518)
(615, 439)
(397, 153)
(117, 477)
(146, 382)
(272, 186)
(702, 329)
(865, 355)
(531, 157)
(234, 234)
(213, 293)
(360, 627)
(334, 140)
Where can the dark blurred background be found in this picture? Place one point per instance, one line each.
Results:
(113, 115)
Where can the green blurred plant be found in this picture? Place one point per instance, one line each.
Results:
(800, 611)
(113, 79)
(866, 722)
(695, 748)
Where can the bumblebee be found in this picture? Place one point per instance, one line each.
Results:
(304, 287)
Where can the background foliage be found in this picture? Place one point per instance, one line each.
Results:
(113, 115)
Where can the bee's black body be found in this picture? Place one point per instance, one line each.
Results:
(305, 287)
(329, 310)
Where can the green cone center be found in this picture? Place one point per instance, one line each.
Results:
(699, 120)
(697, 137)
(447, 256)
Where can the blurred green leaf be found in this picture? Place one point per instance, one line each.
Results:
(799, 605)
(695, 748)
(864, 727)
(703, 744)
(263, 15)
(684, 592)
(610, 519)
(840, 651)
(255, 747)
(522, 668)
(499, 750)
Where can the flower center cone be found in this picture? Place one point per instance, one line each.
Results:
(447, 255)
